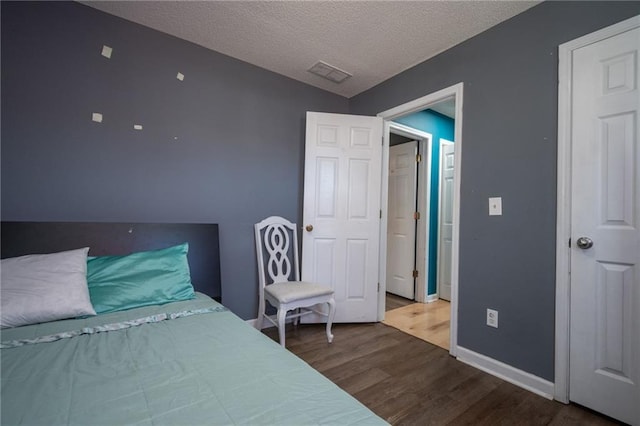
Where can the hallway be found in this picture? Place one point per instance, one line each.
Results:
(426, 321)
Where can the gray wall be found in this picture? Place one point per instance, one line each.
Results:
(239, 153)
(509, 150)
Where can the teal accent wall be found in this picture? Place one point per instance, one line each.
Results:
(440, 127)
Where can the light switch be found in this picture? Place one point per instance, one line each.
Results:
(495, 206)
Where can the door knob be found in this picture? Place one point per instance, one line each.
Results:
(309, 228)
(584, 243)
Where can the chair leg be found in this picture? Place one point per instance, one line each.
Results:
(260, 319)
(296, 320)
(332, 313)
(282, 313)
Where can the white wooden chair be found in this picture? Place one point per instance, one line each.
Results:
(279, 276)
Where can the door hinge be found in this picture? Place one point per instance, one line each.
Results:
(569, 242)
(415, 273)
(378, 287)
(418, 158)
(416, 215)
(380, 213)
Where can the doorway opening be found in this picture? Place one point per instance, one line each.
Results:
(407, 233)
(433, 253)
(419, 222)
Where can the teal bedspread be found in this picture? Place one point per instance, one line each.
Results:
(183, 363)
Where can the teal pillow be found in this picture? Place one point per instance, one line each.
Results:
(139, 279)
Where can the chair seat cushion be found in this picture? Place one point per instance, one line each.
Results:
(291, 291)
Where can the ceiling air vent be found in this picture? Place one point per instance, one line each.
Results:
(329, 72)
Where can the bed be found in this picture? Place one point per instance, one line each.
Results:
(183, 362)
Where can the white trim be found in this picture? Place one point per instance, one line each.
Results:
(506, 372)
(423, 102)
(424, 206)
(408, 132)
(563, 217)
(424, 181)
(384, 202)
(455, 91)
(432, 298)
(265, 324)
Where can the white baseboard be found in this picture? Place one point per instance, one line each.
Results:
(432, 298)
(506, 372)
(265, 323)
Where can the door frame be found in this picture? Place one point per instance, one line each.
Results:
(416, 105)
(563, 218)
(424, 181)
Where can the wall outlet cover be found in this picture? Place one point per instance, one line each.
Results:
(495, 206)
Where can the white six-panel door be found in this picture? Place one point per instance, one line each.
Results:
(445, 219)
(605, 212)
(401, 225)
(341, 213)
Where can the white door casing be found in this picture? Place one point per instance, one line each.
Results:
(598, 290)
(401, 228)
(342, 184)
(422, 231)
(445, 218)
(457, 93)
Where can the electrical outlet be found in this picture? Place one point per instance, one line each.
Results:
(492, 318)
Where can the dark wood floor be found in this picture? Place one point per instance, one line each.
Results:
(394, 302)
(408, 381)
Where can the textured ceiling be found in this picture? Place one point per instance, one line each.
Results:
(372, 40)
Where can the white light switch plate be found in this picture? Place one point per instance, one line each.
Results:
(495, 206)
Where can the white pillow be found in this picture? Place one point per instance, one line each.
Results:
(44, 287)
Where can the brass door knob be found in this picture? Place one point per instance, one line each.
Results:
(309, 228)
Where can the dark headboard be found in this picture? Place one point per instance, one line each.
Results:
(105, 238)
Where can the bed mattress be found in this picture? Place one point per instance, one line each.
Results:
(183, 363)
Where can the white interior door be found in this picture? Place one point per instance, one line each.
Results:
(401, 225)
(605, 208)
(445, 219)
(341, 214)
